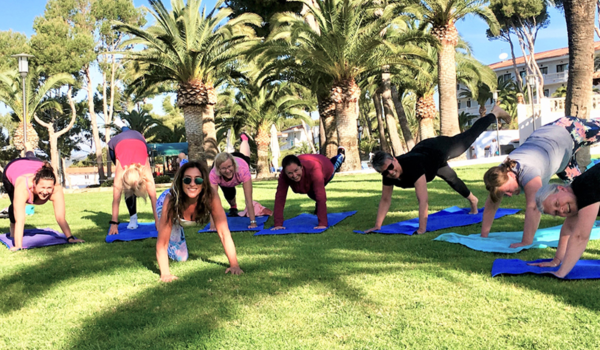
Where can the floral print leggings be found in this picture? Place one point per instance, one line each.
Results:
(585, 132)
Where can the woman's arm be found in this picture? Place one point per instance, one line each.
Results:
(162, 243)
(249, 204)
(489, 213)
(19, 203)
(215, 189)
(117, 188)
(532, 214)
(384, 206)
(579, 238)
(151, 187)
(422, 197)
(58, 202)
(223, 230)
(566, 230)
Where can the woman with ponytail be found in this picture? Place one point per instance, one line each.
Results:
(30, 180)
(550, 150)
(190, 200)
(133, 177)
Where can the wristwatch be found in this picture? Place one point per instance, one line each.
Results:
(252, 221)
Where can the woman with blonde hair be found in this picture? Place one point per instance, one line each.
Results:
(550, 150)
(30, 180)
(133, 177)
(230, 170)
(190, 199)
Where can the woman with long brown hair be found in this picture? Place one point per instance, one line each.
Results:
(189, 200)
(30, 180)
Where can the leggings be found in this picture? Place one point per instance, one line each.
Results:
(453, 146)
(584, 132)
(131, 202)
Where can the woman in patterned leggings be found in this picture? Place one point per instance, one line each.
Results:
(190, 199)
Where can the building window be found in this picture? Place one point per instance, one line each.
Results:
(87, 177)
(523, 74)
(458, 104)
(546, 93)
(468, 103)
(505, 77)
(562, 68)
(544, 70)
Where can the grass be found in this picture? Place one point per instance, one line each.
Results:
(336, 290)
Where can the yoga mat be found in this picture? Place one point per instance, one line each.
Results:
(144, 230)
(239, 223)
(583, 269)
(35, 238)
(449, 217)
(499, 242)
(305, 223)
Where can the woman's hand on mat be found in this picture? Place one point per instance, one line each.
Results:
(520, 244)
(114, 230)
(14, 249)
(212, 228)
(417, 232)
(76, 240)
(235, 270)
(372, 229)
(553, 263)
(252, 226)
(319, 227)
(168, 278)
(278, 228)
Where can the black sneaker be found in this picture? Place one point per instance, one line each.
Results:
(233, 212)
(342, 150)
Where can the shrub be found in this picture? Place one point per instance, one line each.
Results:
(107, 183)
(162, 179)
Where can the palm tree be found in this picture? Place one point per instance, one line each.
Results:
(342, 50)
(260, 107)
(191, 49)
(141, 122)
(441, 16)
(37, 91)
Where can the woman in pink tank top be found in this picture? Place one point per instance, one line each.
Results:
(133, 176)
(31, 180)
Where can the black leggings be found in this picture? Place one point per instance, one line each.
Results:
(452, 147)
(229, 192)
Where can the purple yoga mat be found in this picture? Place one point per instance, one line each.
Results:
(35, 238)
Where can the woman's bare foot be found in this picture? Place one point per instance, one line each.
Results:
(473, 200)
(501, 114)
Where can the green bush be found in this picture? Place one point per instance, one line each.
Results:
(107, 183)
(162, 179)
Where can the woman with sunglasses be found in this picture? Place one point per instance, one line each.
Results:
(189, 200)
(428, 159)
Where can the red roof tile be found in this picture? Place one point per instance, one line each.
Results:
(538, 56)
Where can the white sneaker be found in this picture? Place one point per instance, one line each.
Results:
(133, 224)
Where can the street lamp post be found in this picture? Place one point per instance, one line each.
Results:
(23, 70)
(531, 81)
(495, 95)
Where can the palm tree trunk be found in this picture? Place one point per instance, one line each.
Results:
(94, 121)
(321, 136)
(210, 134)
(262, 150)
(580, 16)
(447, 90)
(425, 112)
(327, 115)
(388, 110)
(408, 137)
(380, 126)
(192, 115)
(347, 133)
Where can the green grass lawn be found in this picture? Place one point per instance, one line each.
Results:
(336, 290)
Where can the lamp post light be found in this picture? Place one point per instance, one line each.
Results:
(496, 102)
(531, 81)
(23, 70)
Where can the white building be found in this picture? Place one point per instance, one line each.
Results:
(296, 135)
(82, 177)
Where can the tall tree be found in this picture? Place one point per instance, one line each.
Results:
(11, 43)
(263, 8)
(442, 15)
(190, 48)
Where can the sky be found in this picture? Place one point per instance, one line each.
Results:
(19, 15)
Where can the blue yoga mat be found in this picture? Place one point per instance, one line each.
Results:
(583, 269)
(499, 242)
(305, 223)
(144, 230)
(239, 223)
(449, 217)
(36, 238)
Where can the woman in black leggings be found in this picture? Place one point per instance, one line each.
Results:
(428, 159)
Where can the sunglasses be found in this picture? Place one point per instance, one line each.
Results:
(197, 180)
(386, 172)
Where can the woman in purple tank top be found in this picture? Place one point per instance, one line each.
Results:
(31, 180)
